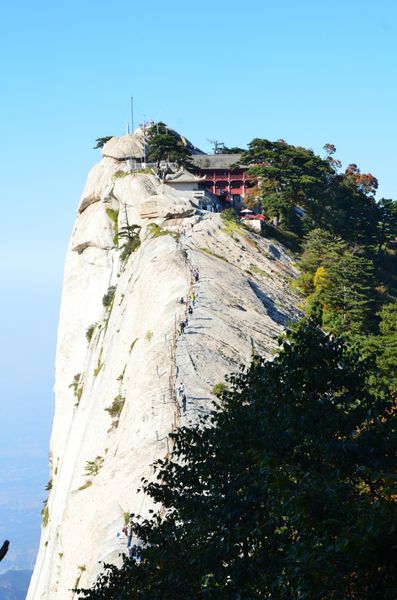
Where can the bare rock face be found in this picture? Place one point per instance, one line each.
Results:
(166, 206)
(126, 146)
(121, 356)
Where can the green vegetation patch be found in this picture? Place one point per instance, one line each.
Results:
(210, 253)
(120, 174)
(113, 214)
(132, 345)
(108, 298)
(166, 144)
(231, 222)
(121, 376)
(93, 467)
(99, 363)
(45, 515)
(156, 231)
(115, 410)
(258, 271)
(85, 485)
(90, 332)
(98, 367)
(149, 335)
(77, 388)
(101, 141)
(218, 389)
(144, 171)
(129, 240)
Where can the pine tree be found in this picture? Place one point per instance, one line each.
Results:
(100, 142)
(319, 247)
(386, 345)
(289, 176)
(164, 144)
(292, 176)
(348, 297)
(387, 223)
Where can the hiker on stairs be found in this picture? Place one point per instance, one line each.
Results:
(182, 396)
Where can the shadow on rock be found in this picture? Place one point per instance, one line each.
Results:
(271, 309)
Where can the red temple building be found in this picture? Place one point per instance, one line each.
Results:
(218, 177)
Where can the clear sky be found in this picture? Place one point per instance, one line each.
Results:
(310, 72)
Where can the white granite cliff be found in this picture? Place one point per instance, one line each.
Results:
(135, 359)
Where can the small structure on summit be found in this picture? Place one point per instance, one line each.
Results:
(252, 220)
(216, 181)
(224, 176)
(184, 182)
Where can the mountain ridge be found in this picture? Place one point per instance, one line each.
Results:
(116, 392)
(14, 584)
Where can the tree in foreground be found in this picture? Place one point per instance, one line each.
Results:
(286, 491)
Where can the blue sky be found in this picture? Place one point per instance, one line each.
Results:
(310, 72)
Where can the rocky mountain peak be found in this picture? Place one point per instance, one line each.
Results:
(156, 293)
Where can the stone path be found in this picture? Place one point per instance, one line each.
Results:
(234, 313)
(198, 401)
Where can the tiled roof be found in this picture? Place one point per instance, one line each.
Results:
(215, 161)
(183, 176)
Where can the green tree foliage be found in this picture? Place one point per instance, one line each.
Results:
(232, 150)
(287, 490)
(350, 213)
(129, 240)
(320, 246)
(291, 176)
(100, 142)
(386, 345)
(387, 223)
(92, 467)
(108, 298)
(164, 144)
(338, 283)
(282, 211)
(347, 295)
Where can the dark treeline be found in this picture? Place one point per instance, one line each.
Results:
(346, 240)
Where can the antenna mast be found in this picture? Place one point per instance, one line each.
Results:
(132, 114)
